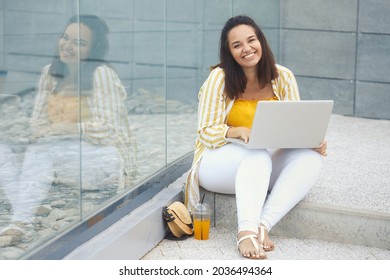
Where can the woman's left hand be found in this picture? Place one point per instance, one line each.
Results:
(322, 149)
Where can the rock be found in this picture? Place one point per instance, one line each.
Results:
(7, 241)
(43, 210)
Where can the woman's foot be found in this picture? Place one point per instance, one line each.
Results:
(264, 239)
(249, 245)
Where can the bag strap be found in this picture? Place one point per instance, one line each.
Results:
(168, 217)
(170, 236)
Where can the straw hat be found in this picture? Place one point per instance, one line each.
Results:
(178, 219)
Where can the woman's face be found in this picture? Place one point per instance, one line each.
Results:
(75, 41)
(244, 46)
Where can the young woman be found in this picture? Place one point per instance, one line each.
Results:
(80, 125)
(267, 183)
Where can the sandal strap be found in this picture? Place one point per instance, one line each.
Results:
(262, 233)
(252, 237)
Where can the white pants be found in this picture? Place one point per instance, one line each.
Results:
(26, 182)
(267, 183)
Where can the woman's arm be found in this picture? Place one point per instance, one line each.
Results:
(286, 84)
(39, 115)
(212, 128)
(108, 108)
(39, 121)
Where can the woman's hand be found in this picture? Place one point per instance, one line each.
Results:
(239, 132)
(322, 149)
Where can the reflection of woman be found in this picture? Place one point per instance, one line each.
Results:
(247, 74)
(99, 113)
(80, 122)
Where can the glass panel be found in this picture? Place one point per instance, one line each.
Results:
(149, 85)
(184, 64)
(133, 101)
(39, 136)
(91, 114)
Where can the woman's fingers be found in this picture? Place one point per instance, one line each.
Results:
(322, 149)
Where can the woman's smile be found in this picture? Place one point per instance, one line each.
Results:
(248, 56)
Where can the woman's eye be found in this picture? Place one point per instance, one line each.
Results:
(79, 43)
(64, 36)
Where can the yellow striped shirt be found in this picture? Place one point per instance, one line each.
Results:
(213, 110)
(109, 124)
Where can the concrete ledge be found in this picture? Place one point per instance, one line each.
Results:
(336, 224)
(135, 234)
(315, 221)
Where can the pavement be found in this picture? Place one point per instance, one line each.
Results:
(346, 216)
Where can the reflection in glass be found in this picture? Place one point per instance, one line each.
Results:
(80, 138)
(159, 55)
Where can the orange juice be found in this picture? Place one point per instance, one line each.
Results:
(201, 229)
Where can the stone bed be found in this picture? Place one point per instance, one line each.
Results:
(161, 138)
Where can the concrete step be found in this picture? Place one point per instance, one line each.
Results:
(310, 220)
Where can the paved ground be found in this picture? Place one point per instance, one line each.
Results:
(222, 246)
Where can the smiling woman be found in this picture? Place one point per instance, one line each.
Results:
(267, 183)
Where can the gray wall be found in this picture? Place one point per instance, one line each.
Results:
(340, 49)
(29, 30)
(162, 49)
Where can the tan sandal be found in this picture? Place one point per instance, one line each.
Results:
(262, 231)
(253, 239)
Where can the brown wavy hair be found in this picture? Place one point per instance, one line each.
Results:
(235, 79)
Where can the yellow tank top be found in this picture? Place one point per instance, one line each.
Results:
(243, 112)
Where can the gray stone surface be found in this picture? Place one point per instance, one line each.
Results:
(267, 13)
(320, 54)
(336, 15)
(344, 40)
(356, 172)
(374, 16)
(373, 62)
(373, 100)
(341, 91)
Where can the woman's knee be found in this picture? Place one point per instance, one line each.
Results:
(315, 158)
(311, 159)
(259, 159)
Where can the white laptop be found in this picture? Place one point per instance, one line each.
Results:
(288, 124)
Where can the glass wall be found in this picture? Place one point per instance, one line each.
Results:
(90, 111)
